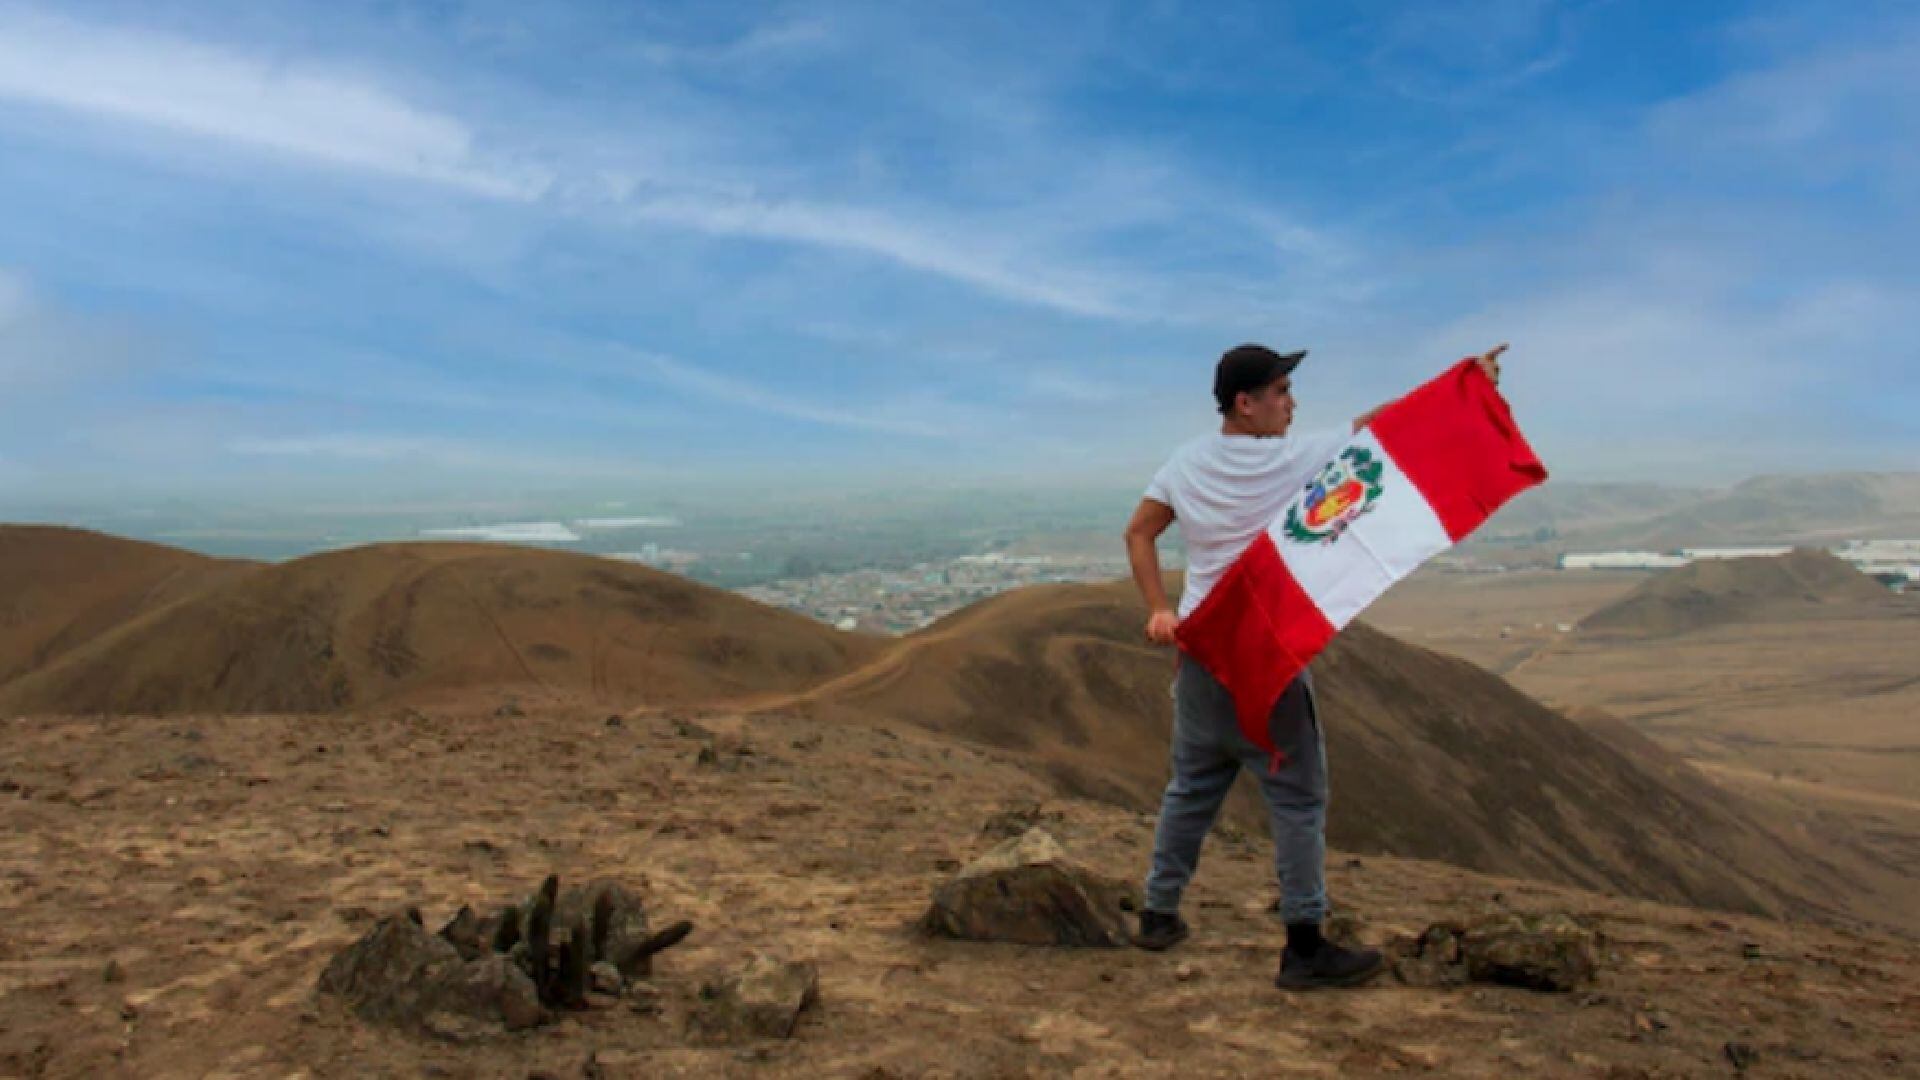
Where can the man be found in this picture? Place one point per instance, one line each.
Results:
(1223, 489)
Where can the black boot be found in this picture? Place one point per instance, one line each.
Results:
(1311, 962)
(1160, 930)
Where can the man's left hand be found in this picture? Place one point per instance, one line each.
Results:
(1490, 362)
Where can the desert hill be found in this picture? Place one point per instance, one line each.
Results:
(1711, 592)
(1812, 509)
(391, 622)
(1431, 757)
(61, 588)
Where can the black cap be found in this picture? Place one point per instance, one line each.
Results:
(1246, 368)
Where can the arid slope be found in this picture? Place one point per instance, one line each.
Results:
(387, 622)
(60, 588)
(1431, 757)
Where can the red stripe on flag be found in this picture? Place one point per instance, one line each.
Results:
(1455, 439)
(1254, 632)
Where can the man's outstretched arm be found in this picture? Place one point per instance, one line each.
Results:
(1150, 519)
(1489, 362)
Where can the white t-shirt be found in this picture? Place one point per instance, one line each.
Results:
(1224, 489)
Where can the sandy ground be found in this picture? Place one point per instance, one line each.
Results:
(218, 863)
(1810, 713)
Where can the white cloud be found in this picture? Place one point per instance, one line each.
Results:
(1841, 105)
(939, 251)
(894, 418)
(334, 117)
(327, 117)
(761, 44)
(1464, 51)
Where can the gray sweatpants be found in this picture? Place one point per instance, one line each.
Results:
(1208, 750)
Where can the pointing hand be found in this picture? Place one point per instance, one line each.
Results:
(1490, 362)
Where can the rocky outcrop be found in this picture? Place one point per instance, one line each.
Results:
(1026, 890)
(1538, 952)
(402, 976)
(502, 972)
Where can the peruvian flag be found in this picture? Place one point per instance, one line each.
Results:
(1423, 474)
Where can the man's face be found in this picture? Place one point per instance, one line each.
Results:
(1269, 410)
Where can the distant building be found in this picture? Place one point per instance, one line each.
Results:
(1736, 552)
(1620, 560)
(1879, 551)
(1898, 575)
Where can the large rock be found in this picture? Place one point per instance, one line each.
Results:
(1538, 952)
(400, 975)
(764, 999)
(1026, 890)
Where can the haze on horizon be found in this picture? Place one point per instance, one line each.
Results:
(367, 251)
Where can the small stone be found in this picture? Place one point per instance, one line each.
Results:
(605, 978)
(687, 729)
(113, 972)
(1742, 1055)
(764, 999)
(616, 721)
(1185, 972)
(643, 997)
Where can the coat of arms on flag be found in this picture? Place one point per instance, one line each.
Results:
(1428, 470)
(1344, 490)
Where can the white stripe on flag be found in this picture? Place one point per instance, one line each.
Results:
(1397, 532)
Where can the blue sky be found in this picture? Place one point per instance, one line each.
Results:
(278, 250)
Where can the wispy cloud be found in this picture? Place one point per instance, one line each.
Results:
(1461, 52)
(340, 118)
(893, 418)
(860, 236)
(780, 38)
(1846, 109)
(952, 252)
(307, 113)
